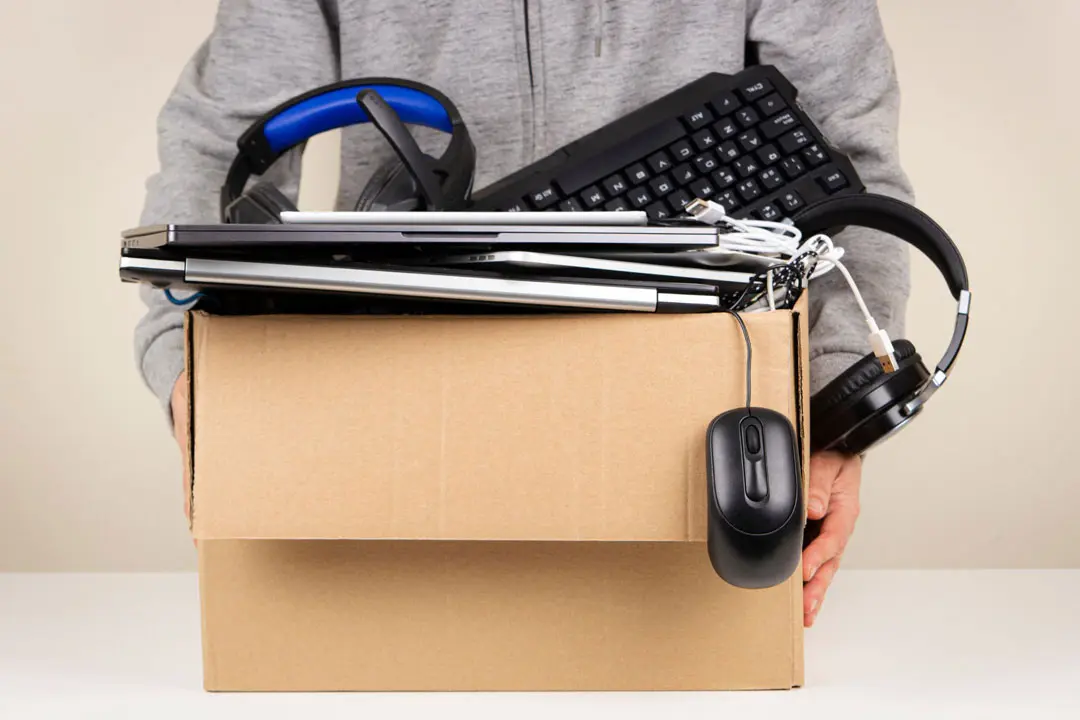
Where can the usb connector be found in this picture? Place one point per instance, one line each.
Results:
(883, 349)
(706, 211)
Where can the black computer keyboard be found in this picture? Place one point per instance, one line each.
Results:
(741, 140)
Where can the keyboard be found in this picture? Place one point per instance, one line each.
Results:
(741, 140)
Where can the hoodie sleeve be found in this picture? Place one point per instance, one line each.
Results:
(259, 53)
(836, 53)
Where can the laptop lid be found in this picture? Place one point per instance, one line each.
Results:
(249, 237)
(533, 261)
(201, 273)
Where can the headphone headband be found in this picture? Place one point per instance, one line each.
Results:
(908, 223)
(335, 106)
(893, 217)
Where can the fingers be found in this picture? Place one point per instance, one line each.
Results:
(824, 468)
(839, 523)
(814, 592)
(835, 532)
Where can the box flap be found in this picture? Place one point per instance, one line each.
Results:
(568, 427)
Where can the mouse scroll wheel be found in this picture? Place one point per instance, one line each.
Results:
(753, 440)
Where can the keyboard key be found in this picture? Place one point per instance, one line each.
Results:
(728, 152)
(749, 140)
(748, 189)
(681, 151)
(544, 198)
(779, 125)
(752, 91)
(793, 167)
(747, 166)
(795, 140)
(639, 197)
(728, 200)
(725, 129)
(591, 197)
(770, 105)
(571, 205)
(768, 154)
(698, 119)
(615, 185)
(637, 173)
(769, 211)
(833, 181)
(616, 205)
(576, 176)
(679, 199)
(771, 179)
(747, 117)
(725, 103)
(661, 186)
(704, 139)
(519, 206)
(658, 210)
(684, 174)
(791, 201)
(702, 188)
(659, 162)
(815, 155)
(706, 162)
(724, 178)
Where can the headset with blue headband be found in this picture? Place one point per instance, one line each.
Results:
(413, 181)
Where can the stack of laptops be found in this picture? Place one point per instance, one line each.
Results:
(598, 261)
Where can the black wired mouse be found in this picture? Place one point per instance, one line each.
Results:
(755, 497)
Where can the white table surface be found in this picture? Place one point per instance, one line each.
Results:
(903, 644)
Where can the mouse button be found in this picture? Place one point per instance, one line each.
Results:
(784, 475)
(725, 457)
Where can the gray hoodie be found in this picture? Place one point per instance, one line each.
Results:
(530, 76)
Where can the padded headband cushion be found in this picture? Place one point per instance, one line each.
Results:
(856, 378)
(894, 217)
(337, 108)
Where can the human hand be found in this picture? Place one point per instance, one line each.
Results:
(179, 405)
(834, 501)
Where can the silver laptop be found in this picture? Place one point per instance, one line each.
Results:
(556, 262)
(487, 236)
(598, 294)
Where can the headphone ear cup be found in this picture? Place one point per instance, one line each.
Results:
(262, 204)
(391, 188)
(850, 399)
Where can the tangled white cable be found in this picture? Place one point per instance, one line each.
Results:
(784, 240)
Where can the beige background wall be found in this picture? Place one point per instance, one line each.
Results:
(89, 478)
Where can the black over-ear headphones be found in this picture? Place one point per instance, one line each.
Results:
(414, 181)
(866, 404)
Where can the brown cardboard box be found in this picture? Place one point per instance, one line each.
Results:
(482, 503)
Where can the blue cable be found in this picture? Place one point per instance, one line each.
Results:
(186, 301)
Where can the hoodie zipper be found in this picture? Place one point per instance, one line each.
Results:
(528, 48)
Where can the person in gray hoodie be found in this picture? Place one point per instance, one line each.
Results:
(530, 76)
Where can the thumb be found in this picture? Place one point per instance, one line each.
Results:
(823, 471)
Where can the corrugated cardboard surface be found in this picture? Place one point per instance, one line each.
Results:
(552, 428)
(476, 467)
(332, 615)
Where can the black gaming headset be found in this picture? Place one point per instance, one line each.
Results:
(412, 181)
(865, 404)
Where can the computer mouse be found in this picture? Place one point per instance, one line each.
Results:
(755, 497)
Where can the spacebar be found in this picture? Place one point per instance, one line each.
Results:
(597, 167)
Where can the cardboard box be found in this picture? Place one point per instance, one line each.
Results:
(478, 503)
